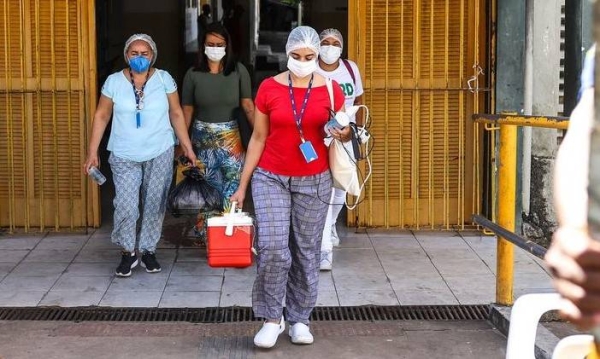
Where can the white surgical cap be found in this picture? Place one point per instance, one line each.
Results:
(303, 37)
(145, 38)
(333, 33)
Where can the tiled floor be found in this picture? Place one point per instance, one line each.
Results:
(377, 267)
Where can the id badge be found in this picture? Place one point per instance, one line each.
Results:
(308, 151)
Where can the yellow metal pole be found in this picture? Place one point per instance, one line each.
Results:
(559, 123)
(506, 216)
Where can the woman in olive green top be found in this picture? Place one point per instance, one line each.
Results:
(212, 92)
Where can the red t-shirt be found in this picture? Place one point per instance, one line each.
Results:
(282, 153)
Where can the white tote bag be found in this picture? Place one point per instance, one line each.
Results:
(341, 160)
(343, 168)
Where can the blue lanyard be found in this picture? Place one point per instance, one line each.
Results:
(298, 117)
(139, 97)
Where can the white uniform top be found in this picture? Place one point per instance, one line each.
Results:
(342, 76)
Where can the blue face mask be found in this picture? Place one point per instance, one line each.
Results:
(139, 64)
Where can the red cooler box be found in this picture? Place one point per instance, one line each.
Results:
(230, 247)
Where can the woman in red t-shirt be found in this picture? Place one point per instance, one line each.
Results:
(288, 163)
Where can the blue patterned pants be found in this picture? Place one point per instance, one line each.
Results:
(150, 180)
(290, 214)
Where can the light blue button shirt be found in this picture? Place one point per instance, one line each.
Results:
(155, 135)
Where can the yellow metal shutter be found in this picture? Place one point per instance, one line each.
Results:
(416, 57)
(45, 68)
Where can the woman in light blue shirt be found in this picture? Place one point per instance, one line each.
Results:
(146, 116)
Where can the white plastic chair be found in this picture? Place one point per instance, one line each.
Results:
(573, 347)
(524, 318)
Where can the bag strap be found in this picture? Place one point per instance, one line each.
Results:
(329, 84)
(350, 70)
(237, 69)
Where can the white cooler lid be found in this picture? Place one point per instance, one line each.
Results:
(241, 219)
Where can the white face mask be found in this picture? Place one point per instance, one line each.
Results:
(214, 53)
(330, 54)
(301, 68)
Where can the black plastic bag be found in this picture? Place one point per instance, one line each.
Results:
(186, 198)
(193, 194)
(212, 198)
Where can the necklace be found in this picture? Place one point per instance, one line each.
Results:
(139, 97)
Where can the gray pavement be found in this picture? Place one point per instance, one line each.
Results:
(348, 340)
(375, 267)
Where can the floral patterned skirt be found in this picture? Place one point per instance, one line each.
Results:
(219, 149)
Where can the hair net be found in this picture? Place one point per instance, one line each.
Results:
(303, 37)
(145, 38)
(334, 33)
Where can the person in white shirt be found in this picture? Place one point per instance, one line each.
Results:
(574, 255)
(346, 73)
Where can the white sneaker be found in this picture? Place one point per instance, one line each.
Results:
(268, 334)
(326, 260)
(335, 240)
(300, 334)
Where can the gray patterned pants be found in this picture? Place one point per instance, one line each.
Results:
(290, 214)
(150, 179)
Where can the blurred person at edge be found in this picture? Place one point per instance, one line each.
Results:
(203, 20)
(146, 116)
(573, 256)
(213, 91)
(287, 161)
(346, 73)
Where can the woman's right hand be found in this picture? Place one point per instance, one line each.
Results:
(344, 135)
(178, 152)
(574, 261)
(238, 197)
(91, 161)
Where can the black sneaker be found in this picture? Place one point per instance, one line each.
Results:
(150, 263)
(128, 262)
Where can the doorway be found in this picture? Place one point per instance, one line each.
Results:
(274, 20)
